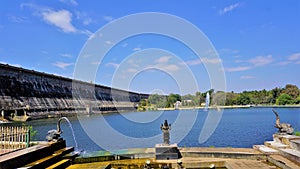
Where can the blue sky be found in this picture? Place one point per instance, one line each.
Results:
(257, 41)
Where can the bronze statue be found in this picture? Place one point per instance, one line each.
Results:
(165, 128)
(283, 128)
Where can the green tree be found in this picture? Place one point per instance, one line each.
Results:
(159, 101)
(291, 90)
(172, 98)
(275, 93)
(188, 100)
(297, 100)
(198, 98)
(243, 99)
(219, 98)
(284, 99)
(231, 98)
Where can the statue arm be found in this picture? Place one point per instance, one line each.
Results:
(277, 116)
(278, 125)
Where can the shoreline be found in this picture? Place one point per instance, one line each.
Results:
(72, 114)
(231, 107)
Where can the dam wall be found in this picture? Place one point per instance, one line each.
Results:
(26, 92)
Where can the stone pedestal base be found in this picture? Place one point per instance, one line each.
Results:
(166, 152)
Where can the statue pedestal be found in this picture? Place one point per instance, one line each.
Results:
(166, 151)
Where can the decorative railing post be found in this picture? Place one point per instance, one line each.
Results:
(28, 138)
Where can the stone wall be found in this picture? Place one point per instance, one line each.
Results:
(41, 94)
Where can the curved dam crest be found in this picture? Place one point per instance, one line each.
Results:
(27, 93)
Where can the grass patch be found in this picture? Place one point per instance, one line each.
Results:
(297, 133)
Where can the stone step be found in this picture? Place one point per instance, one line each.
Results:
(276, 145)
(291, 154)
(284, 138)
(266, 150)
(295, 144)
(282, 162)
(61, 164)
(49, 160)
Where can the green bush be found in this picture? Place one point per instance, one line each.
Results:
(297, 133)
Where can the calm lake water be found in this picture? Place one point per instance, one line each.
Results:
(241, 127)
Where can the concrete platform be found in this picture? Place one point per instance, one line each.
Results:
(284, 138)
(189, 162)
(291, 154)
(295, 144)
(265, 150)
(247, 164)
(236, 153)
(276, 145)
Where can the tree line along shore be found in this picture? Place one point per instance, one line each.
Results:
(279, 96)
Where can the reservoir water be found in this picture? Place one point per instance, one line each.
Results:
(240, 127)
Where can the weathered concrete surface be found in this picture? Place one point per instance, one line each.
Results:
(186, 163)
(282, 162)
(237, 153)
(286, 146)
(40, 95)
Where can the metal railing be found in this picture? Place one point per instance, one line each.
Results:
(14, 137)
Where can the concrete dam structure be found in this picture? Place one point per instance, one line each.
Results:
(28, 94)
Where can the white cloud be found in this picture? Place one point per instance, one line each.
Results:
(111, 64)
(61, 19)
(237, 69)
(82, 16)
(85, 32)
(17, 19)
(293, 57)
(229, 51)
(87, 21)
(204, 60)
(109, 42)
(132, 70)
(133, 63)
(163, 59)
(66, 55)
(254, 62)
(229, 8)
(170, 68)
(284, 63)
(95, 63)
(211, 60)
(69, 2)
(108, 18)
(136, 49)
(247, 77)
(194, 62)
(261, 60)
(62, 65)
(44, 52)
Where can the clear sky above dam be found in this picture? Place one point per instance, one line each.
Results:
(257, 42)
